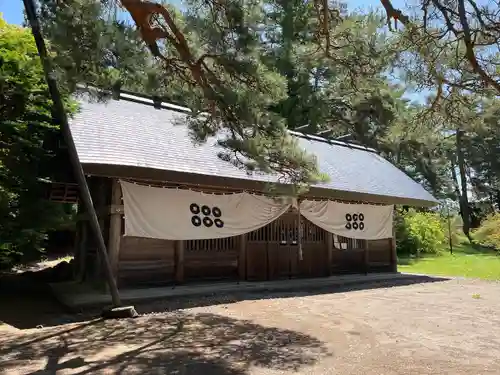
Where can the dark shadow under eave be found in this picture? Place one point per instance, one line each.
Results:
(234, 184)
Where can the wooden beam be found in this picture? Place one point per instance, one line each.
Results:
(115, 228)
(179, 261)
(204, 182)
(242, 258)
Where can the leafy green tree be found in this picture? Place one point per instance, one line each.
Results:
(26, 123)
(419, 232)
(225, 83)
(450, 45)
(253, 70)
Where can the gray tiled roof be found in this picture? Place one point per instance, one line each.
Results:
(123, 132)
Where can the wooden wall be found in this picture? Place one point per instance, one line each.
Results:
(155, 262)
(211, 259)
(146, 260)
(269, 253)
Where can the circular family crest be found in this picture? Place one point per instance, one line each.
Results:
(203, 216)
(355, 221)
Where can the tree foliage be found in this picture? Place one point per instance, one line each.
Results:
(420, 232)
(451, 45)
(489, 233)
(26, 123)
(252, 70)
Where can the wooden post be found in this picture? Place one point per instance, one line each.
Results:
(242, 258)
(76, 247)
(394, 254)
(268, 271)
(81, 256)
(179, 261)
(329, 244)
(367, 257)
(61, 117)
(82, 271)
(115, 227)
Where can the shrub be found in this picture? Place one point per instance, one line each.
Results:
(419, 232)
(488, 234)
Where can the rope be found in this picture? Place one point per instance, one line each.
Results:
(225, 191)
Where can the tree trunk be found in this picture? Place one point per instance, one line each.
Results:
(497, 199)
(464, 200)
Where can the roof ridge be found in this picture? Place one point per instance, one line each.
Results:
(332, 141)
(158, 103)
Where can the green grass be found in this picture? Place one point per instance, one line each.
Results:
(466, 261)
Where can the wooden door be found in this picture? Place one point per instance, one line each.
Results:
(315, 258)
(348, 255)
(273, 251)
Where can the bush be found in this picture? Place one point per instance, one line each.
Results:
(488, 234)
(420, 232)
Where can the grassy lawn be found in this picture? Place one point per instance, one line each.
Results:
(467, 261)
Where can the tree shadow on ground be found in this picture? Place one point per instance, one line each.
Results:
(173, 304)
(171, 343)
(475, 249)
(28, 303)
(28, 308)
(463, 248)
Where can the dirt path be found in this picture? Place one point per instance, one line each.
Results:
(450, 327)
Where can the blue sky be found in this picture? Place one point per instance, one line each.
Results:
(13, 9)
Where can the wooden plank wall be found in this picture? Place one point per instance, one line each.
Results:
(211, 259)
(146, 261)
(269, 253)
(374, 256)
(150, 261)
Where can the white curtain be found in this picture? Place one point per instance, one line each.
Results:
(175, 214)
(360, 221)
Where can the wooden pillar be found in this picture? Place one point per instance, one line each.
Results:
(82, 271)
(81, 244)
(329, 244)
(366, 256)
(242, 258)
(98, 189)
(394, 254)
(77, 260)
(179, 261)
(268, 262)
(115, 227)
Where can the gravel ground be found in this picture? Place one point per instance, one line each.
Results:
(450, 327)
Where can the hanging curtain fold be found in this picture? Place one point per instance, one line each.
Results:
(175, 214)
(359, 221)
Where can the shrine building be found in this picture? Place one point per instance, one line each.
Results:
(174, 212)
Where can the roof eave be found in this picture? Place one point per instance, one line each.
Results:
(202, 180)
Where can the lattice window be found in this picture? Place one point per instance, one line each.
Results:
(63, 193)
(214, 245)
(312, 233)
(345, 243)
(220, 244)
(285, 231)
(273, 232)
